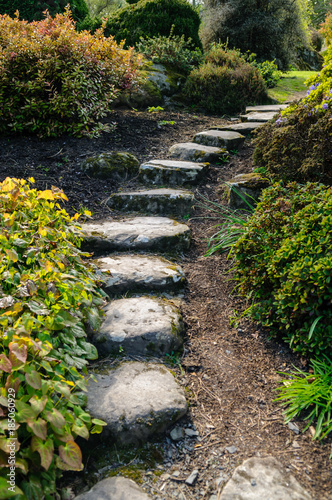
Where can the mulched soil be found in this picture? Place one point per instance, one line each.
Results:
(230, 372)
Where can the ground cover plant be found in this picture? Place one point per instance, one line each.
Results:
(225, 83)
(297, 144)
(54, 80)
(49, 298)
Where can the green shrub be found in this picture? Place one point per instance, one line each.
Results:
(225, 83)
(48, 299)
(151, 18)
(32, 10)
(316, 39)
(297, 144)
(54, 80)
(284, 261)
(171, 51)
(268, 69)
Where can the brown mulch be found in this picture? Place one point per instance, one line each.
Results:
(230, 371)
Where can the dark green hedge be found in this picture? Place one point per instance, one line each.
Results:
(32, 10)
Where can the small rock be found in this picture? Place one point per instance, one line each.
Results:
(223, 478)
(293, 427)
(191, 432)
(231, 449)
(176, 473)
(253, 482)
(177, 433)
(192, 478)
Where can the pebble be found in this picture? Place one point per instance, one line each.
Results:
(293, 427)
(231, 449)
(177, 433)
(192, 478)
(191, 432)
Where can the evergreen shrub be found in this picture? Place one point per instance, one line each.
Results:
(284, 262)
(296, 145)
(33, 10)
(225, 83)
(54, 80)
(49, 298)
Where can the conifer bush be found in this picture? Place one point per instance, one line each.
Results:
(225, 83)
(49, 298)
(54, 80)
(296, 145)
(33, 10)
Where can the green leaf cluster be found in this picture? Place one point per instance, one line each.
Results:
(284, 261)
(49, 298)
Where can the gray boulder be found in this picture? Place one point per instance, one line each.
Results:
(112, 165)
(114, 488)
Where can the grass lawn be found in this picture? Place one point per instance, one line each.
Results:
(289, 84)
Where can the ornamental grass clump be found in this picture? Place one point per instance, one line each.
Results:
(296, 145)
(49, 299)
(54, 80)
(284, 263)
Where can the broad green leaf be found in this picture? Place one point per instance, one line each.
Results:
(38, 308)
(45, 450)
(18, 242)
(11, 254)
(56, 418)
(6, 302)
(19, 351)
(34, 379)
(64, 318)
(64, 389)
(80, 429)
(24, 412)
(38, 404)
(5, 364)
(38, 427)
(5, 492)
(33, 489)
(22, 464)
(90, 349)
(71, 455)
(98, 422)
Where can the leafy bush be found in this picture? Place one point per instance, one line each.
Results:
(284, 261)
(268, 69)
(172, 51)
(54, 80)
(225, 83)
(48, 298)
(151, 18)
(32, 10)
(326, 28)
(317, 40)
(297, 144)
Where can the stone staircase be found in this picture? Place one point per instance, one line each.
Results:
(139, 399)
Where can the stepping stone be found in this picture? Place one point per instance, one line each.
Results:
(142, 326)
(244, 128)
(245, 187)
(266, 108)
(191, 151)
(114, 488)
(155, 201)
(258, 117)
(136, 400)
(112, 165)
(220, 138)
(172, 172)
(145, 273)
(263, 478)
(140, 233)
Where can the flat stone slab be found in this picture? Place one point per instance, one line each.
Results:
(220, 138)
(266, 108)
(145, 273)
(172, 172)
(138, 233)
(114, 488)
(258, 117)
(136, 400)
(154, 201)
(244, 128)
(263, 478)
(142, 326)
(245, 188)
(191, 151)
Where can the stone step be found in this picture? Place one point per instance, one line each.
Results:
(154, 234)
(172, 172)
(266, 108)
(136, 400)
(114, 488)
(220, 138)
(154, 201)
(257, 117)
(244, 128)
(146, 273)
(142, 326)
(191, 151)
(263, 478)
(245, 187)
